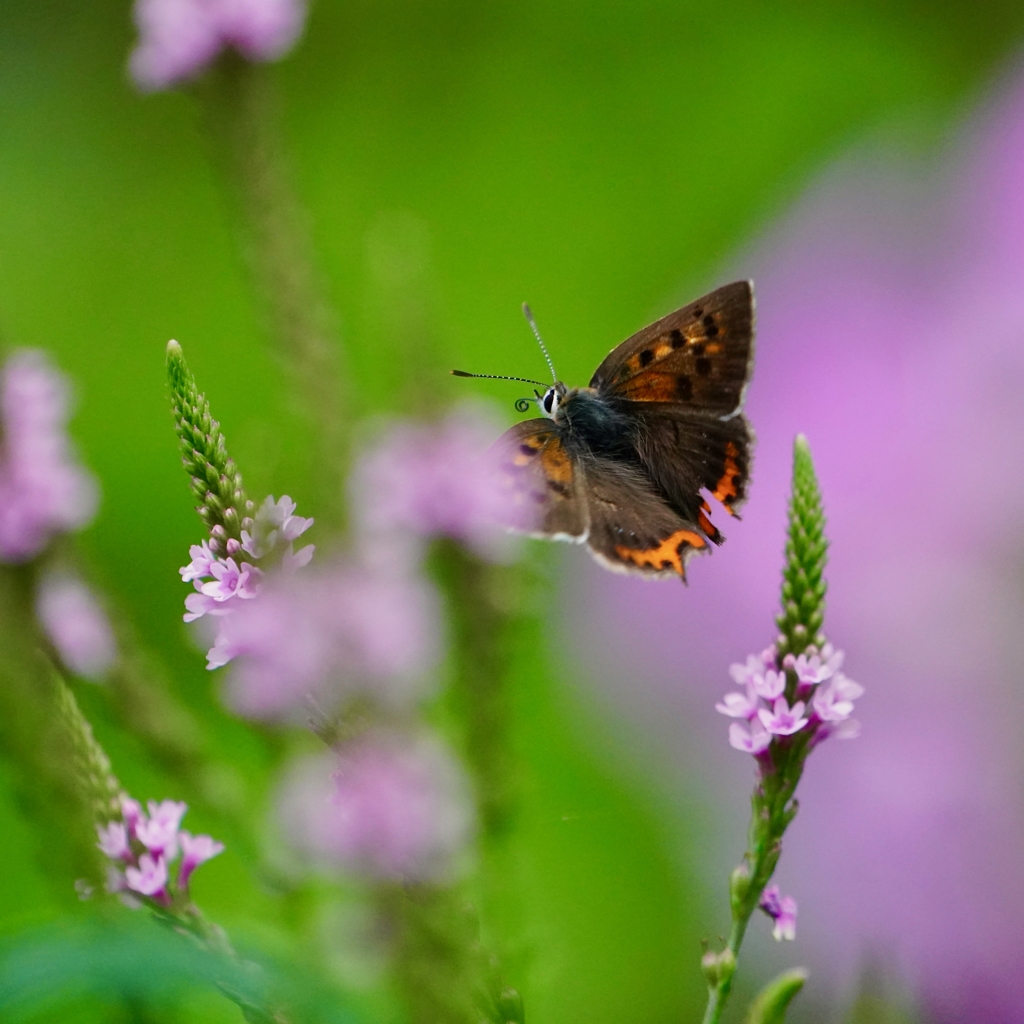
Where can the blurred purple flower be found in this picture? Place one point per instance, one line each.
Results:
(754, 740)
(43, 489)
(76, 625)
(275, 523)
(396, 806)
(195, 850)
(891, 313)
(114, 840)
(328, 635)
(146, 845)
(428, 480)
(782, 910)
(149, 878)
(179, 38)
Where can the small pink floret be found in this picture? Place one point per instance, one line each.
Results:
(114, 840)
(149, 878)
(754, 741)
(783, 720)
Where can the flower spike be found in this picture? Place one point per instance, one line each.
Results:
(803, 584)
(216, 482)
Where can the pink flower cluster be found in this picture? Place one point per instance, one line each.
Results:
(143, 847)
(76, 624)
(179, 38)
(223, 583)
(397, 805)
(782, 910)
(43, 489)
(433, 480)
(328, 635)
(822, 699)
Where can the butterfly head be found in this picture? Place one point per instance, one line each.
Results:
(552, 399)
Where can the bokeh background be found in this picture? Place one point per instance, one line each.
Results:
(864, 163)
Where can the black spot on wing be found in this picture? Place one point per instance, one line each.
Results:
(646, 357)
(703, 366)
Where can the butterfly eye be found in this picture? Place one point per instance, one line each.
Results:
(550, 401)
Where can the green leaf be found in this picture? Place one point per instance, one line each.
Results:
(773, 1000)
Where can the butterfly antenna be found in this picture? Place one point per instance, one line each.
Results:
(540, 341)
(497, 376)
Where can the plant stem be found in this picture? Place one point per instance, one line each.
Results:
(243, 112)
(772, 810)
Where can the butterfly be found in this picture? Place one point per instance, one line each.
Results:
(623, 464)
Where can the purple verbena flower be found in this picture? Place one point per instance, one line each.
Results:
(195, 850)
(399, 808)
(43, 489)
(754, 740)
(201, 564)
(232, 580)
(829, 706)
(428, 480)
(179, 38)
(76, 625)
(739, 705)
(159, 832)
(743, 674)
(274, 523)
(149, 878)
(114, 840)
(783, 720)
(782, 910)
(770, 685)
(327, 636)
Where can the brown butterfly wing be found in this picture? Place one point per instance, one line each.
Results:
(685, 452)
(632, 528)
(541, 486)
(700, 356)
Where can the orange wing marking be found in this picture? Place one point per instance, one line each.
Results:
(667, 555)
(725, 490)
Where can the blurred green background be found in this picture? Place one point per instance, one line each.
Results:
(601, 160)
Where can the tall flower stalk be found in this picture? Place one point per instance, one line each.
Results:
(794, 696)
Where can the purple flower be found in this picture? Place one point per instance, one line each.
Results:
(399, 808)
(738, 705)
(43, 489)
(783, 720)
(178, 38)
(275, 523)
(159, 833)
(753, 741)
(829, 706)
(782, 910)
(231, 580)
(201, 564)
(131, 811)
(429, 480)
(195, 850)
(770, 685)
(744, 674)
(76, 625)
(149, 878)
(327, 636)
(114, 840)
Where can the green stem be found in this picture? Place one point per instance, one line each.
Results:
(243, 113)
(772, 810)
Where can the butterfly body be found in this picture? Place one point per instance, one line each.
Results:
(623, 465)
